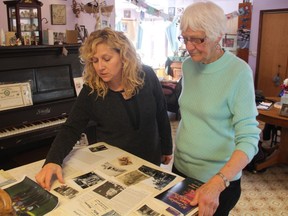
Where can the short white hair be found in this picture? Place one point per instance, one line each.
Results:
(204, 16)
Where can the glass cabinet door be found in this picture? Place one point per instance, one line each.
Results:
(29, 25)
(12, 19)
(24, 18)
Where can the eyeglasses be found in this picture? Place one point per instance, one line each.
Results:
(191, 40)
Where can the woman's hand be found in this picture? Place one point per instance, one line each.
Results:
(165, 159)
(44, 177)
(207, 196)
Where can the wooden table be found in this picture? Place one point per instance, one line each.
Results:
(109, 164)
(271, 116)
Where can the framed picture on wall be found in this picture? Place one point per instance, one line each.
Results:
(229, 42)
(171, 11)
(58, 14)
(127, 13)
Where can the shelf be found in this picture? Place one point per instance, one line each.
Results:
(24, 18)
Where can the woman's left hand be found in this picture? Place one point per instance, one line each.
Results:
(207, 197)
(165, 159)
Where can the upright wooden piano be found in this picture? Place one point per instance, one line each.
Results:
(51, 75)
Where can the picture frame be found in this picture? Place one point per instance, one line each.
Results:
(58, 14)
(229, 42)
(105, 23)
(284, 110)
(127, 13)
(58, 37)
(83, 32)
(171, 11)
(179, 11)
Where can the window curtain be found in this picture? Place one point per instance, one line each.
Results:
(118, 26)
(171, 34)
(139, 37)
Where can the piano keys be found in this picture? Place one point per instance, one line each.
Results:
(51, 76)
(33, 126)
(29, 124)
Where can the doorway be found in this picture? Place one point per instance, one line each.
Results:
(272, 61)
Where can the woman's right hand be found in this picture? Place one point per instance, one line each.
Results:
(44, 177)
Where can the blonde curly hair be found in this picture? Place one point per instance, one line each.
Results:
(132, 75)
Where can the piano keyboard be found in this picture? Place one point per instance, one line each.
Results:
(11, 131)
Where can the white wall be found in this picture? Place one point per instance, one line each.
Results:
(3, 12)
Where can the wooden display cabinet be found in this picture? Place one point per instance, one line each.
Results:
(24, 18)
(244, 26)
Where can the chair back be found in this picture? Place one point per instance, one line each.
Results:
(172, 91)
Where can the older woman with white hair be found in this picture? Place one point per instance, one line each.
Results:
(218, 133)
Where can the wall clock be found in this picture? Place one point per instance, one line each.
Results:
(58, 14)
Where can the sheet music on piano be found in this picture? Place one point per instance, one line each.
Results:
(15, 95)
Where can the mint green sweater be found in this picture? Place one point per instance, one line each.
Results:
(218, 116)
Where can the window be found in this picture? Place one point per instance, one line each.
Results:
(154, 48)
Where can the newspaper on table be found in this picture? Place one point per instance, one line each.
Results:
(104, 180)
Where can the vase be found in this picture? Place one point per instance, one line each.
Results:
(284, 98)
